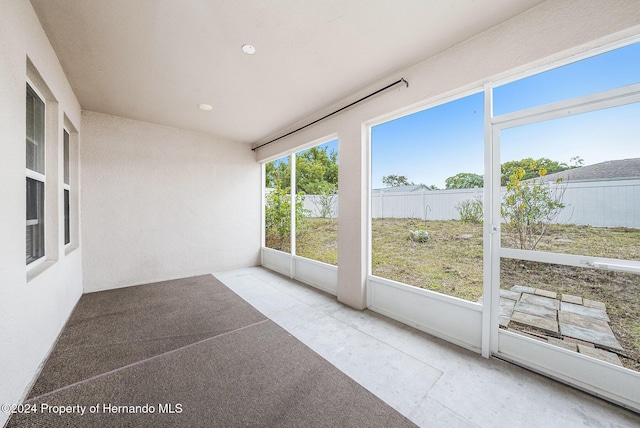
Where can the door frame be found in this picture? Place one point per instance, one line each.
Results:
(615, 383)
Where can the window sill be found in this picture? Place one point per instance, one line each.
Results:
(36, 270)
(69, 248)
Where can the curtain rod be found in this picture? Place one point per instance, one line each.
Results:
(331, 114)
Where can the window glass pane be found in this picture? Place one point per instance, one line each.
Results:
(572, 185)
(427, 198)
(66, 157)
(278, 204)
(67, 220)
(602, 72)
(34, 131)
(590, 311)
(317, 196)
(35, 220)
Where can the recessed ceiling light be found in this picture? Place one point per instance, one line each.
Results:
(205, 107)
(248, 49)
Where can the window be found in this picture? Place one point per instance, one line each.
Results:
(317, 199)
(301, 203)
(278, 204)
(67, 189)
(427, 189)
(35, 186)
(609, 70)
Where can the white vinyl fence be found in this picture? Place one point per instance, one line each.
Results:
(422, 204)
(608, 203)
(602, 203)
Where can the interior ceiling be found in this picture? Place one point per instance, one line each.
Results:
(156, 60)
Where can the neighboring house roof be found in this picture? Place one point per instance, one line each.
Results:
(410, 188)
(622, 168)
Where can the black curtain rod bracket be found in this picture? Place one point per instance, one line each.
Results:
(335, 112)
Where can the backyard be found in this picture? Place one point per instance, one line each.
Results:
(450, 262)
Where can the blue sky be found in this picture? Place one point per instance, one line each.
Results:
(429, 146)
(331, 145)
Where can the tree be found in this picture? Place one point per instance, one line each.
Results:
(464, 180)
(278, 174)
(531, 167)
(316, 170)
(395, 180)
(529, 206)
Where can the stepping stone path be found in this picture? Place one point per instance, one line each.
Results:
(571, 322)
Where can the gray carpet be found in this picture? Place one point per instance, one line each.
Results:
(195, 354)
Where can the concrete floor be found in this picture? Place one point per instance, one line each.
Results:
(432, 382)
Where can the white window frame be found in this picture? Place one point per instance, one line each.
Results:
(40, 177)
(66, 184)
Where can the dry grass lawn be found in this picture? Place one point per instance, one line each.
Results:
(451, 263)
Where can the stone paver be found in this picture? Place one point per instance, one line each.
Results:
(542, 323)
(569, 298)
(569, 322)
(578, 342)
(596, 337)
(532, 336)
(584, 322)
(535, 309)
(542, 301)
(594, 304)
(511, 295)
(523, 289)
(563, 344)
(600, 354)
(506, 307)
(504, 321)
(597, 313)
(545, 293)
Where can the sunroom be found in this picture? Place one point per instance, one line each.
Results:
(467, 170)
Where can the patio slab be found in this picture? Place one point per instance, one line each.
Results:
(600, 354)
(509, 294)
(523, 289)
(584, 322)
(596, 337)
(545, 324)
(506, 307)
(563, 344)
(594, 304)
(578, 342)
(537, 310)
(597, 313)
(541, 301)
(545, 293)
(504, 321)
(569, 298)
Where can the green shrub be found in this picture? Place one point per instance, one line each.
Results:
(420, 235)
(470, 211)
(530, 206)
(278, 216)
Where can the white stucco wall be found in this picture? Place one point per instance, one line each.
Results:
(549, 32)
(32, 313)
(162, 203)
